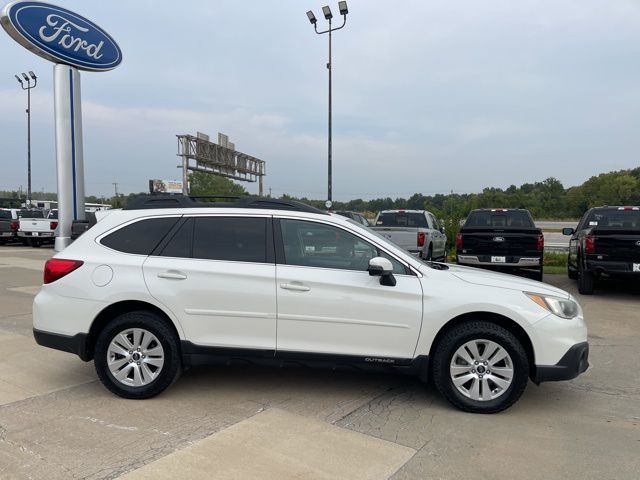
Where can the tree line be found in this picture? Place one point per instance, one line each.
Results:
(548, 199)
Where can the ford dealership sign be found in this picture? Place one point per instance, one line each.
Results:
(60, 36)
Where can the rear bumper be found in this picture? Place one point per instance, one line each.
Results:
(574, 362)
(73, 344)
(485, 260)
(36, 234)
(602, 267)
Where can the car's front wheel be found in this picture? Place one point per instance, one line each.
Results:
(480, 367)
(137, 355)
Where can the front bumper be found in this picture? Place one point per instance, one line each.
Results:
(572, 364)
(73, 344)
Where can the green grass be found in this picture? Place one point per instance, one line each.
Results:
(555, 269)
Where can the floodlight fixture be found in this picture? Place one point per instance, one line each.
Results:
(343, 8)
(24, 75)
(18, 78)
(32, 75)
(312, 17)
(327, 12)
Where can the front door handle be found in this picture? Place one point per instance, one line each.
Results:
(296, 287)
(172, 275)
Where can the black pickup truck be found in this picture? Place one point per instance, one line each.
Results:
(501, 239)
(605, 244)
(7, 226)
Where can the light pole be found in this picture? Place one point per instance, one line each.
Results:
(342, 6)
(29, 82)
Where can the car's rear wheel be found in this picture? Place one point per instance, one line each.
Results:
(137, 355)
(480, 367)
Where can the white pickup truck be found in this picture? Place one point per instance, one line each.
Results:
(38, 227)
(417, 231)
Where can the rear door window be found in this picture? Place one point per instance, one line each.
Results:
(140, 237)
(238, 239)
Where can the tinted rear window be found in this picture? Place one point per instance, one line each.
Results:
(5, 215)
(614, 218)
(181, 242)
(31, 214)
(504, 219)
(402, 219)
(232, 239)
(140, 237)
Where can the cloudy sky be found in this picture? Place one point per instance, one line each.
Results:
(429, 96)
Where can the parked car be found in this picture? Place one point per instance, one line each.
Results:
(503, 239)
(417, 231)
(146, 292)
(605, 244)
(358, 217)
(38, 227)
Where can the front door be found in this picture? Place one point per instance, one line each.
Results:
(329, 304)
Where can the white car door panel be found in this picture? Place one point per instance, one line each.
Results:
(339, 310)
(227, 304)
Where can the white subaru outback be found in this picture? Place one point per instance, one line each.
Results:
(171, 282)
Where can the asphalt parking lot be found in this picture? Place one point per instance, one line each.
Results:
(58, 422)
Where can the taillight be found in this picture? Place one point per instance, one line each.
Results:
(53, 225)
(459, 241)
(590, 244)
(421, 239)
(56, 268)
(540, 243)
(14, 225)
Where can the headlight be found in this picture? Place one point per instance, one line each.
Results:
(562, 307)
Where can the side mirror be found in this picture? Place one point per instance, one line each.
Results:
(383, 268)
(568, 231)
(442, 230)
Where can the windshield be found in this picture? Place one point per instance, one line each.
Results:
(615, 218)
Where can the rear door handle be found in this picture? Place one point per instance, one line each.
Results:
(296, 287)
(172, 275)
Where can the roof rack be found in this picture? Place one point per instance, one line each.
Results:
(184, 201)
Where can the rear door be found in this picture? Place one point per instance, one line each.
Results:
(329, 304)
(217, 275)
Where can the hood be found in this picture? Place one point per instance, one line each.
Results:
(479, 276)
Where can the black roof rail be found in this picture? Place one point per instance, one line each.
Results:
(150, 201)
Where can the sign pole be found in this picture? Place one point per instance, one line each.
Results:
(69, 156)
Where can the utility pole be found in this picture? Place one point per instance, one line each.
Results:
(115, 185)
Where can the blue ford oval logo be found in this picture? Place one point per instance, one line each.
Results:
(60, 35)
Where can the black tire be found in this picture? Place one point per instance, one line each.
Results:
(586, 282)
(34, 243)
(572, 274)
(539, 276)
(477, 330)
(3, 241)
(429, 255)
(170, 343)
